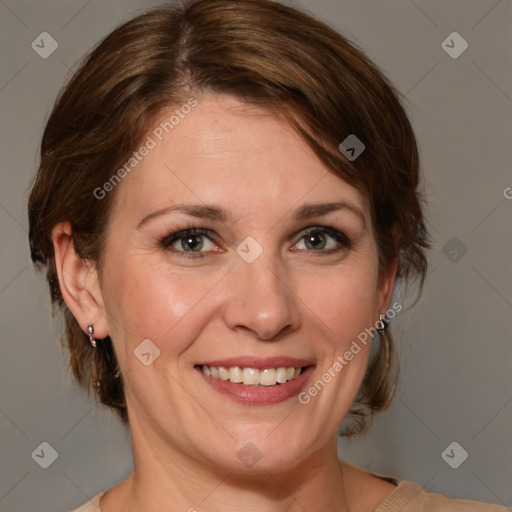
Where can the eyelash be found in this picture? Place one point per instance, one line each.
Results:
(168, 240)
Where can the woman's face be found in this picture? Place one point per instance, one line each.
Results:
(269, 282)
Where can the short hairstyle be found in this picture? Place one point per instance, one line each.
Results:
(268, 55)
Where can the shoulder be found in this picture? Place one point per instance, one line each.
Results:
(92, 505)
(410, 497)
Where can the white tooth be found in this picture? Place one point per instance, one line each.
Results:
(251, 376)
(281, 375)
(235, 374)
(268, 377)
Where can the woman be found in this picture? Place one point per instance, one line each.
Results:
(227, 196)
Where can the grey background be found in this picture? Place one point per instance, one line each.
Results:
(455, 345)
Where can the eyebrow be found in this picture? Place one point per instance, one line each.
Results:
(213, 212)
(194, 210)
(307, 211)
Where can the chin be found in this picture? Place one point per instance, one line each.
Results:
(257, 455)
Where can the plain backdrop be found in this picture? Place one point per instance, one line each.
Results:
(455, 345)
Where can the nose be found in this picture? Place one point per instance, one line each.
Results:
(261, 301)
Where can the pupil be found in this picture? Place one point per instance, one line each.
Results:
(318, 237)
(192, 242)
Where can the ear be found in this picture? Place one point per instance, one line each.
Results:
(79, 283)
(387, 279)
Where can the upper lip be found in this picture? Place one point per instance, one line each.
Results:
(259, 363)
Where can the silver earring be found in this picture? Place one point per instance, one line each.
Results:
(90, 331)
(380, 324)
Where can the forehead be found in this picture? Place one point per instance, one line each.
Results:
(225, 152)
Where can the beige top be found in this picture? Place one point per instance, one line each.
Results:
(407, 497)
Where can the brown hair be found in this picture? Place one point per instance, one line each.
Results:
(268, 55)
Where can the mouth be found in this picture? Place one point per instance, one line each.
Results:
(257, 381)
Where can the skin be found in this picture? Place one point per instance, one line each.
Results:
(295, 299)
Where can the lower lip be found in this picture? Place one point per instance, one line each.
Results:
(259, 395)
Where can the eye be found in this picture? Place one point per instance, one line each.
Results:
(191, 242)
(323, 239)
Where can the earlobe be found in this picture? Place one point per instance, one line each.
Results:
(79, 282)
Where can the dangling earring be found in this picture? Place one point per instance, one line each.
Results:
(380, 324)
(90, 331)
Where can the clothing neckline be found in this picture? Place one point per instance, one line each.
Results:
(404, 492)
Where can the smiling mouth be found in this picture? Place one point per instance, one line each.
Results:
(253, 377)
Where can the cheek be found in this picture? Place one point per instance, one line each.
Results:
(344, 301)
(145, 301)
